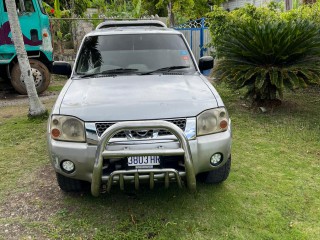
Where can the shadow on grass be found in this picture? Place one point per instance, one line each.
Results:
(146, 213)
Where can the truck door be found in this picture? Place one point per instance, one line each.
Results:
(35, 30)
(1, 22)
(29, 22)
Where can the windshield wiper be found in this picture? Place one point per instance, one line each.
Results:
(89, 75)
(164, 69)
(120, 70)
(111, 71)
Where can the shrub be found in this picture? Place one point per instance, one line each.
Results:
(266, 51)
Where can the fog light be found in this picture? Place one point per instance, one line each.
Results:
(68, 166)
(216, 159)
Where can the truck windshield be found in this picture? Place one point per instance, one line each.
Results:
(139, 53)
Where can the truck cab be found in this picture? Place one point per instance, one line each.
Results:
(35, 28)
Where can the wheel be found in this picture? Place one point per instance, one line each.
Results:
(40, 73)
(71, 185)
(216, 176)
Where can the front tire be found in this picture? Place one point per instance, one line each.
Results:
(216, 176)
(40, 74)
(71, 185)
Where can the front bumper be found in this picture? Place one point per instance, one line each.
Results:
(88, 158)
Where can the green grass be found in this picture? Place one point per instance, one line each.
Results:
(54, 88)
(272, 192)
(22, 150)
(57, 83)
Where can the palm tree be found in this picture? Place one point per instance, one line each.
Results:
(36, 108)
(268, 57)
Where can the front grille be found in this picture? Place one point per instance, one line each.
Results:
(102, 126)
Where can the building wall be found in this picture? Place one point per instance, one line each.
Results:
(232, 4)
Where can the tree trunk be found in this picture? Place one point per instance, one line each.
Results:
(73, 26)
(170, 14)
(288, 4)
(36, 108)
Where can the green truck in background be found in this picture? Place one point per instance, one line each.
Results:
(35, 28)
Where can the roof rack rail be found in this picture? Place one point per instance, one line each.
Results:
(132, 23)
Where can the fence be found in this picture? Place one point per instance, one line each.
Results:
(73, 30)
(198, 36)
(69, 32)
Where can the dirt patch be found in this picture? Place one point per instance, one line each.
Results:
(11, 98)
(40, 200)
(36, 198)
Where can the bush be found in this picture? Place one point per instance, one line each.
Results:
(266, 51)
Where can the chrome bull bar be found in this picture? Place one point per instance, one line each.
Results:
(102, 153)
(143, 174)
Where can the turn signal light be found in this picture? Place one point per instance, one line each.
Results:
(223, 124)
(55, 133)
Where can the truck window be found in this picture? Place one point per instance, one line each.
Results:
(28, 4)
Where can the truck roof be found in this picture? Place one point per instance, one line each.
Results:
(132, 23)
(132, 27)
(132, 30)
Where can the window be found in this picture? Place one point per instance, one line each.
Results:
(28, 6)
(143, 52)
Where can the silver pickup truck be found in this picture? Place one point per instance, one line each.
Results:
(137, 110)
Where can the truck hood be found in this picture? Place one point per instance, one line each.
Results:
(137, 97)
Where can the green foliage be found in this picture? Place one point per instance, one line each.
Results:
(99, 4)
(47, 8)
(175, 7)
(95, 22)
(265, 51)
(276, 6)
(57, 10)
(78, 6)
(219, 22)
(149, 7)
(137, 8)
(307, 12)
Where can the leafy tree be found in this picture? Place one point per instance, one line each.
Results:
(137, 8)
(78, 7)
(149, 8)
(180, 11)
(174, 7)
(120, 9)
(100, 5)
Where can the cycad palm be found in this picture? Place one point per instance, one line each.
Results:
(269, 57)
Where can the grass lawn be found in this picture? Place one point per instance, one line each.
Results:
(272, 192)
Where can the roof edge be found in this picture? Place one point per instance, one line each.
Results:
(131, 23)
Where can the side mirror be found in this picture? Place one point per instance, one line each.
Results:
(62, 68)
(205, 63)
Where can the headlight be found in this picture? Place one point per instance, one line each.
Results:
(212, 121)
(65, 128)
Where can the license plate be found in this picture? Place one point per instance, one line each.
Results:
(138, 161)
